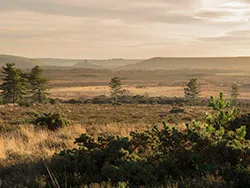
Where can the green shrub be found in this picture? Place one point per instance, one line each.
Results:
(52, 121)
(154, 158)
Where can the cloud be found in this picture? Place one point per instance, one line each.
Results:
(229, 37)
(156, 11)
(225, 11)
(116, 28)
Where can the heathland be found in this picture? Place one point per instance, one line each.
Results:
(153, 136)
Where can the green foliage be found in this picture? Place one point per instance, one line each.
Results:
(115, 89)
(192, 91)
(52, 121)
(235, 93)
(14, 84)
(223, 116)
(159, 156)
(38, 84)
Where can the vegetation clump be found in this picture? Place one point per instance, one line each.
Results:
(224, 116)
(23, 88)
(52, 121)
(38, 85)
(235, 94)
(192, 91)
(14, 84)
(161, 156)
(115, 89)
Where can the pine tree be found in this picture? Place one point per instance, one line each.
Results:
(38, 84)
(224, 115)
(14, 85)
(192, 91)
(115, 87)
(234, 94)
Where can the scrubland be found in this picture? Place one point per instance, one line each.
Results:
(194, 155)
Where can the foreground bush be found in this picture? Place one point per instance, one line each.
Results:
(157, 157)
(52, 121)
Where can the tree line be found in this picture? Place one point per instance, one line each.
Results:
(21, 87)
(32, 87)
(191, 91)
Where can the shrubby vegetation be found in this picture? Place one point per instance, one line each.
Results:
(14, 84)
(213, 152)
(163, 156)
(192, 92)
(115, 89)
(235, 94)
(51, 121)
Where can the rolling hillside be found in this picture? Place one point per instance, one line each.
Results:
(21, 62)
(104, 63)
(191, 63)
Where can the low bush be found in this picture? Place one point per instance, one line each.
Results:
(157, 157)
(52, 121)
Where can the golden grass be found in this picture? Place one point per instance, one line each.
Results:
(27, 144)
(67, 93)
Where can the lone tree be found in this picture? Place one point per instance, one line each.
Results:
(235, 94)
(115, 87)
(38, 84)
(192, 91)
(14, 85)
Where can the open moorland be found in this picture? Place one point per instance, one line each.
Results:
(88, 83)
(152, 138)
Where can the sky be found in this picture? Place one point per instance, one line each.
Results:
(124, 28)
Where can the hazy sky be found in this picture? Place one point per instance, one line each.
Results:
(124, 28)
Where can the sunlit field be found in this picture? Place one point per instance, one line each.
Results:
(67, 93)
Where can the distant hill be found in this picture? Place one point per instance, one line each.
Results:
(191, 63)
(58, 62)
(105, 63)
(87, 65)
(114, 63)
(21, 62)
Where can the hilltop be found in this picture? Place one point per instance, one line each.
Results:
(21, 62)
(191, 63)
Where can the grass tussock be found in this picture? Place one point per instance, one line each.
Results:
(27, 143)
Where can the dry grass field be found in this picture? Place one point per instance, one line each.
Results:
(83, 83)
(25, 149)
(67, 93)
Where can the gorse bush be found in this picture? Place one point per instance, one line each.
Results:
(52, 121)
